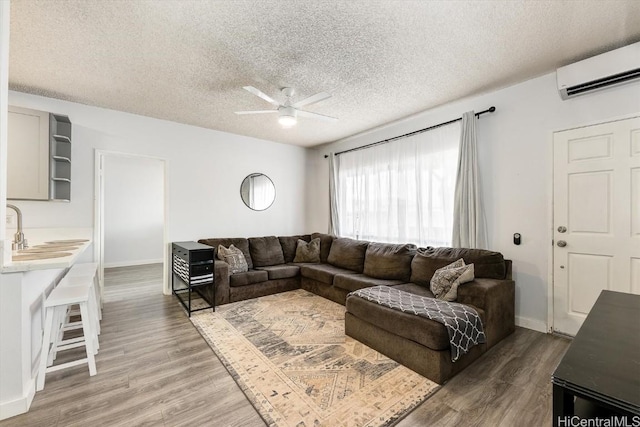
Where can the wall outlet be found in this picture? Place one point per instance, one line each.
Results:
(9, 219)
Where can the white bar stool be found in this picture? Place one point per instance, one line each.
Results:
(89, 269)
(56, 305)
(62, 322)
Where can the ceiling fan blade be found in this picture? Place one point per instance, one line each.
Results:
(261, 94)
(312, 99)
(311, 115)
(256, 112)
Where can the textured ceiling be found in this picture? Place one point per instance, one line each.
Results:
(186, 61)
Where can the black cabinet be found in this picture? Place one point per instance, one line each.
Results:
(192, 269)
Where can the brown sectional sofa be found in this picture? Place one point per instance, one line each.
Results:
(348, 265)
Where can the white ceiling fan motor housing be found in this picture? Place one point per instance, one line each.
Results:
(287, 116)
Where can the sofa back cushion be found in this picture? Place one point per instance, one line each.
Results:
(265, 251)
(240, 243)
(326, 240)
(389, 261)
(289, 245)
(487, 264)
(347, 253)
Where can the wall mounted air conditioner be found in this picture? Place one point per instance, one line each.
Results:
(599, 72)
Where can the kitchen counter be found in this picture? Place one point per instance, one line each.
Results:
(24, 286)
(39, 236)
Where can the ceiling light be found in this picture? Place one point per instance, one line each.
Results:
(287, 117)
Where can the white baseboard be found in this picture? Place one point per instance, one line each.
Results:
(19, 406)
(536, 325)
(132, 263)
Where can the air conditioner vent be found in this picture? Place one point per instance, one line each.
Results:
(604, 82)
(602, 71)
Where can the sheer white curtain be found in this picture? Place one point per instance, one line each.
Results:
(402, 191)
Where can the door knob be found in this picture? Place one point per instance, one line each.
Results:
(562, 229)
(562, 243)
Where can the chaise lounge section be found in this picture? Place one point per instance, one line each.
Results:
(422, 344)
(347, 265)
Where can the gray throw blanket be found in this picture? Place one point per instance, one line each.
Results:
(462, 322)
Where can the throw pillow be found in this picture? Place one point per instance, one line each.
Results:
(234, 257)
(308, 252)
(445, 281)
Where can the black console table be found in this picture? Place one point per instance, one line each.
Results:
(602, 364)
(193, 266)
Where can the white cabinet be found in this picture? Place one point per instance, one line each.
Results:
(28, 154)
(38, 155)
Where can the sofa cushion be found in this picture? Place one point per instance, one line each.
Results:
(353, 282)
(487, 264)
(348, 253)
(308, 252)
(424, 331)
(281, 271)
(289, 245)
(326, 241)
(248, 278)
(323, 273)
(445, 281)
(240, 243)
(389, 261)
(234, 257)
(265, 251)
(415, 289)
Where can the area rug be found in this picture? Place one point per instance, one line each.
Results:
(289, 354)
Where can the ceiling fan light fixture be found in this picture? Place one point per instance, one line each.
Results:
(287, 117)
(288, 112)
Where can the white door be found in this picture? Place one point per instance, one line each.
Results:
(596, 217)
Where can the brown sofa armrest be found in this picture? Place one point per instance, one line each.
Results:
(497, 299)
(509, 267)
(222, 282)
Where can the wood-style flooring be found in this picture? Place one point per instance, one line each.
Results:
(154, 369)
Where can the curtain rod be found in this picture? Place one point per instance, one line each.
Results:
(384, 141)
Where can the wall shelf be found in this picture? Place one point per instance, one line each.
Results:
(62, 138)
(60, 151)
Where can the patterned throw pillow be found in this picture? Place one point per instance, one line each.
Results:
(308, 252)
(445, 281)
(234, 257)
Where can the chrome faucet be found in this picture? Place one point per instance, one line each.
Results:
(19, 242)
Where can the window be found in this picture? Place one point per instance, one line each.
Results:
(402, 191)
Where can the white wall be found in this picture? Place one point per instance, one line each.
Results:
(204, 171)
(516, 170)
(133, 210)
(4, 90)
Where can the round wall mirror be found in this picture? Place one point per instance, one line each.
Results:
(257, 191)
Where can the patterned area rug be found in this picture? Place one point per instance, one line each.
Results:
(291, 357)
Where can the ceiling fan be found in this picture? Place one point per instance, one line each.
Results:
(289, 111)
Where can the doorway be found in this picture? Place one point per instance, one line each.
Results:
(596, 217)
(130, 221)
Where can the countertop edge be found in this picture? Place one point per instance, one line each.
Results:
(40, 236)
(66, 262)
